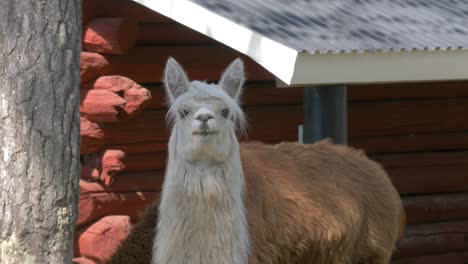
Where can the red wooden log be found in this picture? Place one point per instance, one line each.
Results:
(94, 205)
(392, 118)
(150, 181)
(449, 258)
(146, 161)
(413, 142)
(136, 97)
(110, 35)
(82, 260)
(143, 147)
(145, 64)
(434, 179)
(103, 167)
(426, 159)
(91, 136)
(396, 91)
(254, 94)
(93, 65)
(170, 34)
(101, 106)
(131, 9)
(434, 238)
(150, 126)
(100, 240)
(438, 207)
(121, 8)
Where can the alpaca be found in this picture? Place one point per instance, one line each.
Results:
(225, 202)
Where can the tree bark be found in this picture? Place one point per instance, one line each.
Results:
(39, 129)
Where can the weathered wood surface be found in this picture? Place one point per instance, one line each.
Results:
(423, 159)
(120, 8)
(270, 124)
(94, 205)
(82, 260)
(390, 118)
(429, 180)
(407, 91)
(447, 258)
(92, 136)
(436, 207)
(110, 35)
(101, 105)
(254, 94)
(112, 99)
(433, 238)
(92, 66)
(103, 167)
(445, 141)
(145, 64)
(170, 34)
(101, 239)
(127, 182)
(39, 129)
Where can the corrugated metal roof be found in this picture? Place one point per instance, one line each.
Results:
(352, 25)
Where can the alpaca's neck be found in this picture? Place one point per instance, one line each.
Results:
(202, 217)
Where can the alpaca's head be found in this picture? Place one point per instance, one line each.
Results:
(205, 117)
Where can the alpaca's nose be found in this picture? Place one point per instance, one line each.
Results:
(204, 117)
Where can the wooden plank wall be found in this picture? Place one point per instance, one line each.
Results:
(419, 132)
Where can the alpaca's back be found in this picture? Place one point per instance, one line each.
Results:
(317, 203)
(307, 203)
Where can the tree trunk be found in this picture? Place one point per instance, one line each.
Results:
(39, 129)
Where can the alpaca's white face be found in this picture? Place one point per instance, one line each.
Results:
(205, 116)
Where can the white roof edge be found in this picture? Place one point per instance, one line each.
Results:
(380, 67)
(273, 56)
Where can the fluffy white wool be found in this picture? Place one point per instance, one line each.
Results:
(201, 215)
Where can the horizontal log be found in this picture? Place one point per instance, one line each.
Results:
(136, 98)
(146, 162)
(416, 142)
(145, 64)
(101, 105)
(429, 180)
(448, 258)
(110, 35)
(91, 136)
(150, 126)
(150, 181)
(425, 159)
(406, 180)
(82, 260)
(93, 65)
(435, 238)
(120, 8)
(170, 34)
(436, 207)
(254, 94)
(93, 206)
(390, 118)
(103, 167)
(395, 91)
(101, 239)
(141, 147)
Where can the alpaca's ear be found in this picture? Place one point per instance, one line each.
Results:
(175, 79)
(233, 79)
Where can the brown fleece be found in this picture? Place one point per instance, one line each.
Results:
(317, 203)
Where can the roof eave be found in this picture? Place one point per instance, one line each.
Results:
(380, 67)
(273, 56)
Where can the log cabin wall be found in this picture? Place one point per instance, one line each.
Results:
(419, 132)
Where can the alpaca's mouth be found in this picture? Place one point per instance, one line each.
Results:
(205, 133)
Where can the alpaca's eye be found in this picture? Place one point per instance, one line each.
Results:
(225, 112)
(184, 113)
